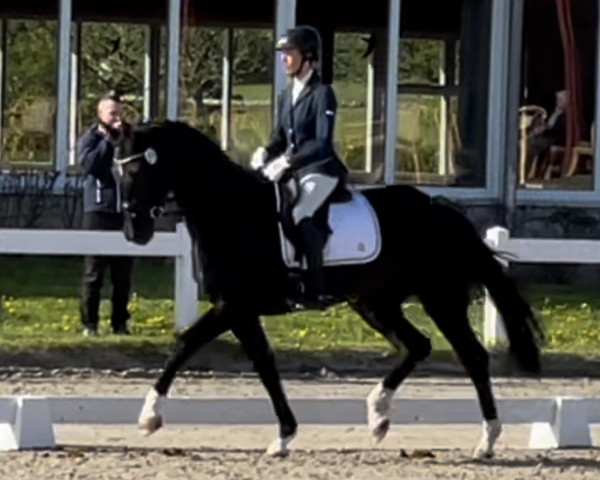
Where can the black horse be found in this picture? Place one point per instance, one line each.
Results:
(427, 249)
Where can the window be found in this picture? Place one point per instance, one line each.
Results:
(443, 73)
(353, 139)
(252, 83)
(200, 78)
(29, 103)
(111, 56)
(209, 56)
(128, 58)
(559, 49)
(427, 118)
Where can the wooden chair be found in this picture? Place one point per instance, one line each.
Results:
(570, 165)
(532, 119)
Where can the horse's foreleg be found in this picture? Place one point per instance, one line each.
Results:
(205, 329)
(388, 319)
(249, 331)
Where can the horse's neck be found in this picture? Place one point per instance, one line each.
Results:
(220, 202)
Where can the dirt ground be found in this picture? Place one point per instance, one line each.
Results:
(319, 452)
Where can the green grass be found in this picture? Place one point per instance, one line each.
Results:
(39, 312)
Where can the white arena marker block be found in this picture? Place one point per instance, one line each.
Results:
(30, 426)
(542, 436)
(8, 408)
(8, 441)
(569, 427)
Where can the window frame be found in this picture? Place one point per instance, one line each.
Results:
(552, 197)
(498, 81)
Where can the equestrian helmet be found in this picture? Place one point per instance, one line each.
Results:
(304, 38)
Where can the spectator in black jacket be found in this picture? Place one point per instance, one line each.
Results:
(102, 211)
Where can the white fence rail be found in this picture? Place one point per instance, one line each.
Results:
(178, 244)
(91, 242)
(28, 421)
(533, 250)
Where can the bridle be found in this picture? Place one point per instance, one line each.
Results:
(149, 154)
(151, 158)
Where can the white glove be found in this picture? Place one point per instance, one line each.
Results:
(258, 158)
(274, 170)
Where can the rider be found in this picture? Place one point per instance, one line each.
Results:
(302, 146)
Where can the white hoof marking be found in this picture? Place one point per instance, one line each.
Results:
(151, 417)
(379, 407)
(490, 433)
(279, 446)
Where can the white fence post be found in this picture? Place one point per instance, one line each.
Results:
(493, 329)
(186, 288)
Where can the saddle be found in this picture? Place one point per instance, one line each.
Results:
(347, 221)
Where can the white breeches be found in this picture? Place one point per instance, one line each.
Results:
(314, 189)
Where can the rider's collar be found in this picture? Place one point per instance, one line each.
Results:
(299, 85)
(304, 80)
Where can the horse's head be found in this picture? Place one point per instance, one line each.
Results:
(143, 180)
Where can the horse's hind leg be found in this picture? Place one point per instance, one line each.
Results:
(247, 328)
(387, 318)
(452, 319)
(207, 327)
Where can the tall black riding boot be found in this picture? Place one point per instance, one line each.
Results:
(312, 243)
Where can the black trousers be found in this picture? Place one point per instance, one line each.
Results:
(95, 267)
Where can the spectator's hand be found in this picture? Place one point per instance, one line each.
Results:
(116, 131)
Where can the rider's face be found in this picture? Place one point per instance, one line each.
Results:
(292, 59)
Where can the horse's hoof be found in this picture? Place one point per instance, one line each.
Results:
(490, 433)
(482, 454)
(150, 425)
(381, 430)
(151, 417)
(379, 407)
(279, 447)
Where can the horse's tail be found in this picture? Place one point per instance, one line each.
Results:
(524, 329)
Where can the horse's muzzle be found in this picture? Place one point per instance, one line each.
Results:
(137, 228)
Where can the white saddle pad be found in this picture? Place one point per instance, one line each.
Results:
(356, 237)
